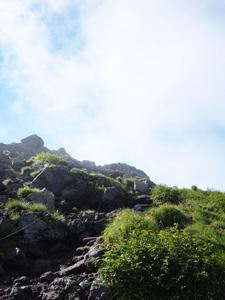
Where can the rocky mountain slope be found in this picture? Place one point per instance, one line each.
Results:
(53, 209)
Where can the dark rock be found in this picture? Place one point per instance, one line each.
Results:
(53, 179)
(93, 253)
(17, 294)
(15, 258)
(1, 258)
(1, 270)
(23, 280)
(17, 164)
(41, 266)
(59, 247)
(2, 187)
(113, 198)
(48, 276)
(33, 141)
(45, 197)
(31, 233)
(52, 295)
(140, 187)
(99, 291)
(6, 225)
(74, 269)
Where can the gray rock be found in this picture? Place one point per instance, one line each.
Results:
(76, 227)
(45, 197)
(113, 198)
(6, 225)
(94, 252)
(33, 141)
(15, 258)
(74, 269)
(99, 291)
(53, 179)
(53, 234)
(69, 286)
(17, 163)
(141, 187)
(23, 280)
(32, 227)
(48, 276)
(41, 266)
(52, 295)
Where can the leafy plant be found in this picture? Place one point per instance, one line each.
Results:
(166, 265)
(170, 214)
(47, 157)
(161, 194)
(16, 204)
(7, 181)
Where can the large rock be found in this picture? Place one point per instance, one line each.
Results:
(6, 225)
(94, 252)
(53, 179)
(45, 197)
(41, 266)
(113, 198)
(32, 227)
(15, 258)
(33, 141)
(99, 291)
(141, 187)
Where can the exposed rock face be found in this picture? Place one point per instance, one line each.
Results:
(113, 198)
(45, 197)
(33, 141)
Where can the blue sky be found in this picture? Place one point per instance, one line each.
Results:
(133, 81)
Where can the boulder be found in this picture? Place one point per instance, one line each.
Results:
(53, 179)
(45, 197)
(41, 266)
(94, 252)
(113, 198)
(15, 258)
(99, 291)
(6, 225)
(33, 141)
(17, 163)
(140, 187)
(32, 232)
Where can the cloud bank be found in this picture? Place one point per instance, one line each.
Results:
(140, 82)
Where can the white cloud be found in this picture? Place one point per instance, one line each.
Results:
(139, 78)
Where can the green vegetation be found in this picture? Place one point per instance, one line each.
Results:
(26, 170)
(174, 250)
(50, 158)
(25, 191)
(35, 173)
(7, 181)
(13, 204)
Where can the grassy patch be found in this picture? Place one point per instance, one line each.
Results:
(50, 158)
(25, 191)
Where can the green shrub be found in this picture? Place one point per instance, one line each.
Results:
(170, 214)
(79, 172)
(162, 193)
(38, 207)
(167, 265)
(35, 173)
(7, 181)
(125, 222)
(26, 170)
(50, 158)
(14, 203)
(25, 191)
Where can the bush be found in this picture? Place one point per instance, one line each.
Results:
(125, 222)
(50, 158)
(169, 215)
(26, 170)
(167, 265)
(162, 193)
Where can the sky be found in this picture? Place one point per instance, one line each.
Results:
(140, 82)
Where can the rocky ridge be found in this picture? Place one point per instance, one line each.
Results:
(49, 253)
